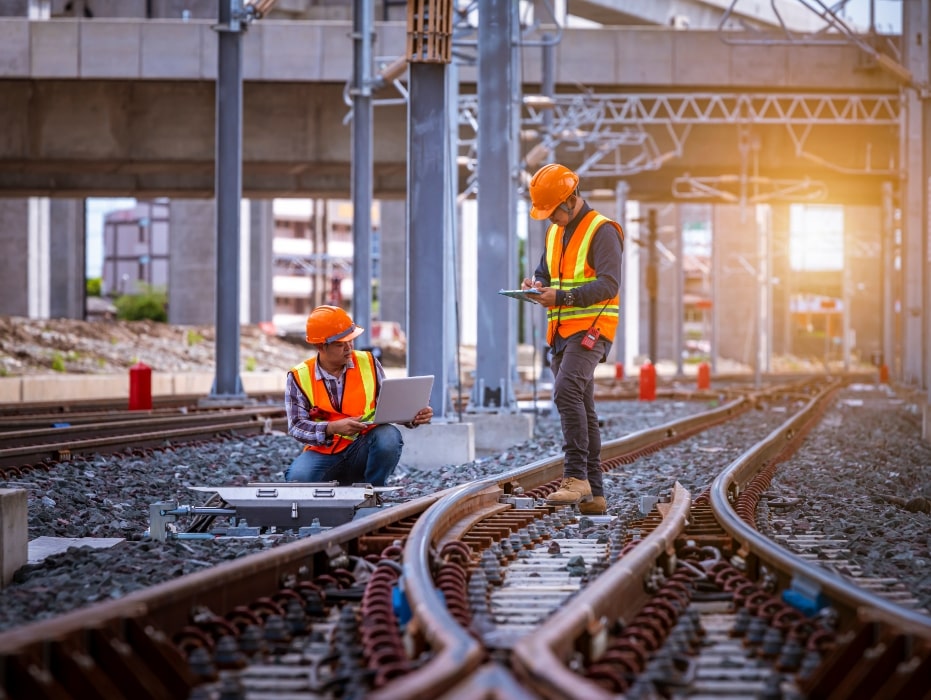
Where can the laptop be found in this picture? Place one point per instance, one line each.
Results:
(401, 397)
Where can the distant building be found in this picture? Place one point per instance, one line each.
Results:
(135, 248)
(312, 254)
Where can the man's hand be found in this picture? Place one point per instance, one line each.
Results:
(547, 295)
(346, 426)
(424, 415)
(529, 283)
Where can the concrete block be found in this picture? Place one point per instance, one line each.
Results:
(63, 387)
(14, 48)
(54, 49)
(171, 50)
(751, 67)
(11, 390)
(498, 431)
(193, 383)
(42, 547)
(14, 533)
(699, 60)
(163, 384)
(265, 382)
(438, 444)
(110, 49)
(336, 60)
(643, 58)
(291, 52)
(811, 66)
(209, 51)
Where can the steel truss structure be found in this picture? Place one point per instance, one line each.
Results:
(611, 129)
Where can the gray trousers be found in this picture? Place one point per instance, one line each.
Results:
(574, 396)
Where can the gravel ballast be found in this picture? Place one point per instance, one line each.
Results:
(866, 457)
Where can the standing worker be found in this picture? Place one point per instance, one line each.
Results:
(579, 280)
(328, 396)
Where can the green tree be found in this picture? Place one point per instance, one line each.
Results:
(149, 304)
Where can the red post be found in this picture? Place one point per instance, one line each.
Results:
(647, 382)
(883, 374)
(618, 371)
(704, 376)
(140, 387)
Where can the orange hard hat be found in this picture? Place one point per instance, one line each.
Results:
(550, 186)
(330, 324)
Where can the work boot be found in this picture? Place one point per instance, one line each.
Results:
(571, 490)
(598, 506)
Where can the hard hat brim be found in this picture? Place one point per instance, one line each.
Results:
(541, 214)
(357, 331)
(351, 335)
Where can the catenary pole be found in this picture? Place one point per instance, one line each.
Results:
(227, 385)
(362, 28)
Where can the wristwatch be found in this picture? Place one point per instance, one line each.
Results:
(568, 299)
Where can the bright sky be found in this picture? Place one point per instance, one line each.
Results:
(97, 208)
(888, 14)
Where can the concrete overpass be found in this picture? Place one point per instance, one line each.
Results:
(126, 107)
(699, 14)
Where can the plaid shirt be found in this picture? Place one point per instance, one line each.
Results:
(300, 425)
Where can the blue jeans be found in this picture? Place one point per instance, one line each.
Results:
(574, 396)
(370, 459)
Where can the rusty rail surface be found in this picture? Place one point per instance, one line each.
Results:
(890, 646)
(140, 623)
(147, 642)
(20, 450)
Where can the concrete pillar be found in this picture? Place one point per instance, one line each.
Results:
(14, 8)
(37, 262)
(667, 275)
(14, 533)
(66, 259)
(864, 277)
(14, 263)
(915, 20)
(261, 266)
(192, 276)
(735, 298)
(392, 287)
(781, 271)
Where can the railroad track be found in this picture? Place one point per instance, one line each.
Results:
(24, 449)
(319, 617)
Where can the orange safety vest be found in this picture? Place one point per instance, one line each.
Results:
(359, 389)
(569, 269)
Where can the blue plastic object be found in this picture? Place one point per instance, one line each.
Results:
(402, 609)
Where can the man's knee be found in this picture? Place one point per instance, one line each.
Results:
(387, 438)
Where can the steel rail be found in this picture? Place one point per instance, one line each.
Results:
(127, 425)
(618, 593)
(457, 653)
(731, 482)
(166, 609)
(220, 588)
(14, 457)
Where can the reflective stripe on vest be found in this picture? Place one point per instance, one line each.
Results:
(569, 270)
(355, 402)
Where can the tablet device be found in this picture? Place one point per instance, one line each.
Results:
(522, 294)
(401, 397)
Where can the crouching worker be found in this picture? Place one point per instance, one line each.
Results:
(327, 398)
